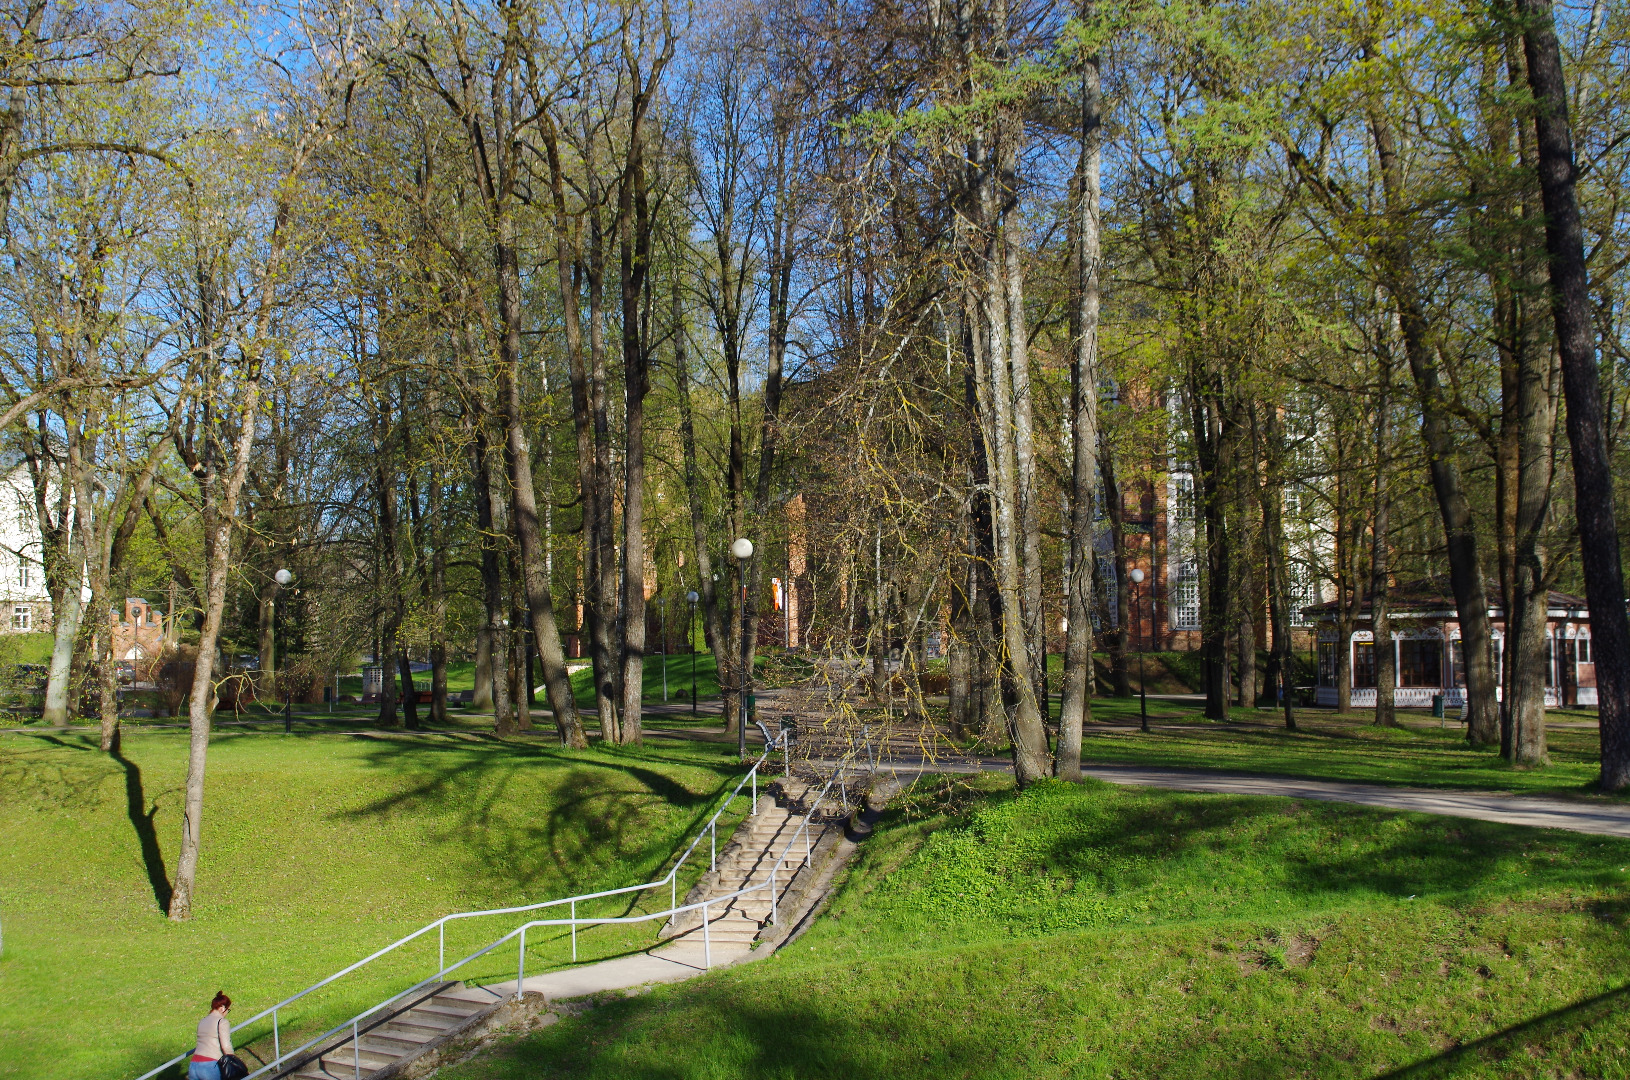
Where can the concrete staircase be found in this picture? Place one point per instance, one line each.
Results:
(391, 1040)
(770, 832)
(401, 1036)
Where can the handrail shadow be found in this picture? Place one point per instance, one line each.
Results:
(1503, 1043)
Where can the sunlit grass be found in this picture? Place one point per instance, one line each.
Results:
(318, 849)
(1103, 932)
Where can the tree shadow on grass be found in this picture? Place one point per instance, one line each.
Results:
(141, 818)
(1318, 851)
(593, 821)
(744, 1038)
(1552, 1031)
(141, 814)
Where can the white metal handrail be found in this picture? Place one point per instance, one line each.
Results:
(671, 879)
(771, 883)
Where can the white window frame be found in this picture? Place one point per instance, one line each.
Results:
(22, 618)
(1185, 596)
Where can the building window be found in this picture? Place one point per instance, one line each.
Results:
(1183, 504)
(1457, 663)
(1304, 592)
(1363, 665)
(1584, 651)
(22, 617)
(24, 576)
(1327, 663)
(1420, 662)
(1186, 596)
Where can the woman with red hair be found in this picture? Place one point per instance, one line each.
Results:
(214, 1041)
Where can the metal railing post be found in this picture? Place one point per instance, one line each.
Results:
(277, 1039)
(774, 911)
(441, 953)
(520, 966)
(707, 939)
(673, 892)
(574, 931)
(713, 844)
(356, 1051)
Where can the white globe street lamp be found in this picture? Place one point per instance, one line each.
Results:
(284, 578)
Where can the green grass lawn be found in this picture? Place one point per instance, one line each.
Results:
(318, 849)
(1342, 747)
(461, 676)
(1100, 932)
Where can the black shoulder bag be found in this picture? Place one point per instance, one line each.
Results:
(231, 1066)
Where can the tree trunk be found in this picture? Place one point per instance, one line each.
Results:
(1273, 536)
(438, 606)
(218, 517)
(1460, 533)
(1127, 620)
(959, 657)
(410, 697)
(66, 619)
(488, 506)
(634, 221)
(1576, 344)
(1246, 597)
(713, 625)
(481, 694)
(390, 571)
(1075, 705)
(266, 616)
(523, 500)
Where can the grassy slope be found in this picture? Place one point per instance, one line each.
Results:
(317, 850)
(1098, 932)
(461, 676)
(1339, 747)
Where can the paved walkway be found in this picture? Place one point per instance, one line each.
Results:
(1600, 818)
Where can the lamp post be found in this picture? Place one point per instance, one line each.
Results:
(1137, 623)
(742, 549)
(284, 578)
(690, 639)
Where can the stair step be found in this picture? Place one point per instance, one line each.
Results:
(448, 1011)
(402, 1039)
(471, 995)
(367, 1060)
(433, 1027)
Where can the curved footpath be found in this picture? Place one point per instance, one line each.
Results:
(1598, 817)
(1601, 818)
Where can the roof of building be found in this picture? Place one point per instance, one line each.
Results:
(1432, 596)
